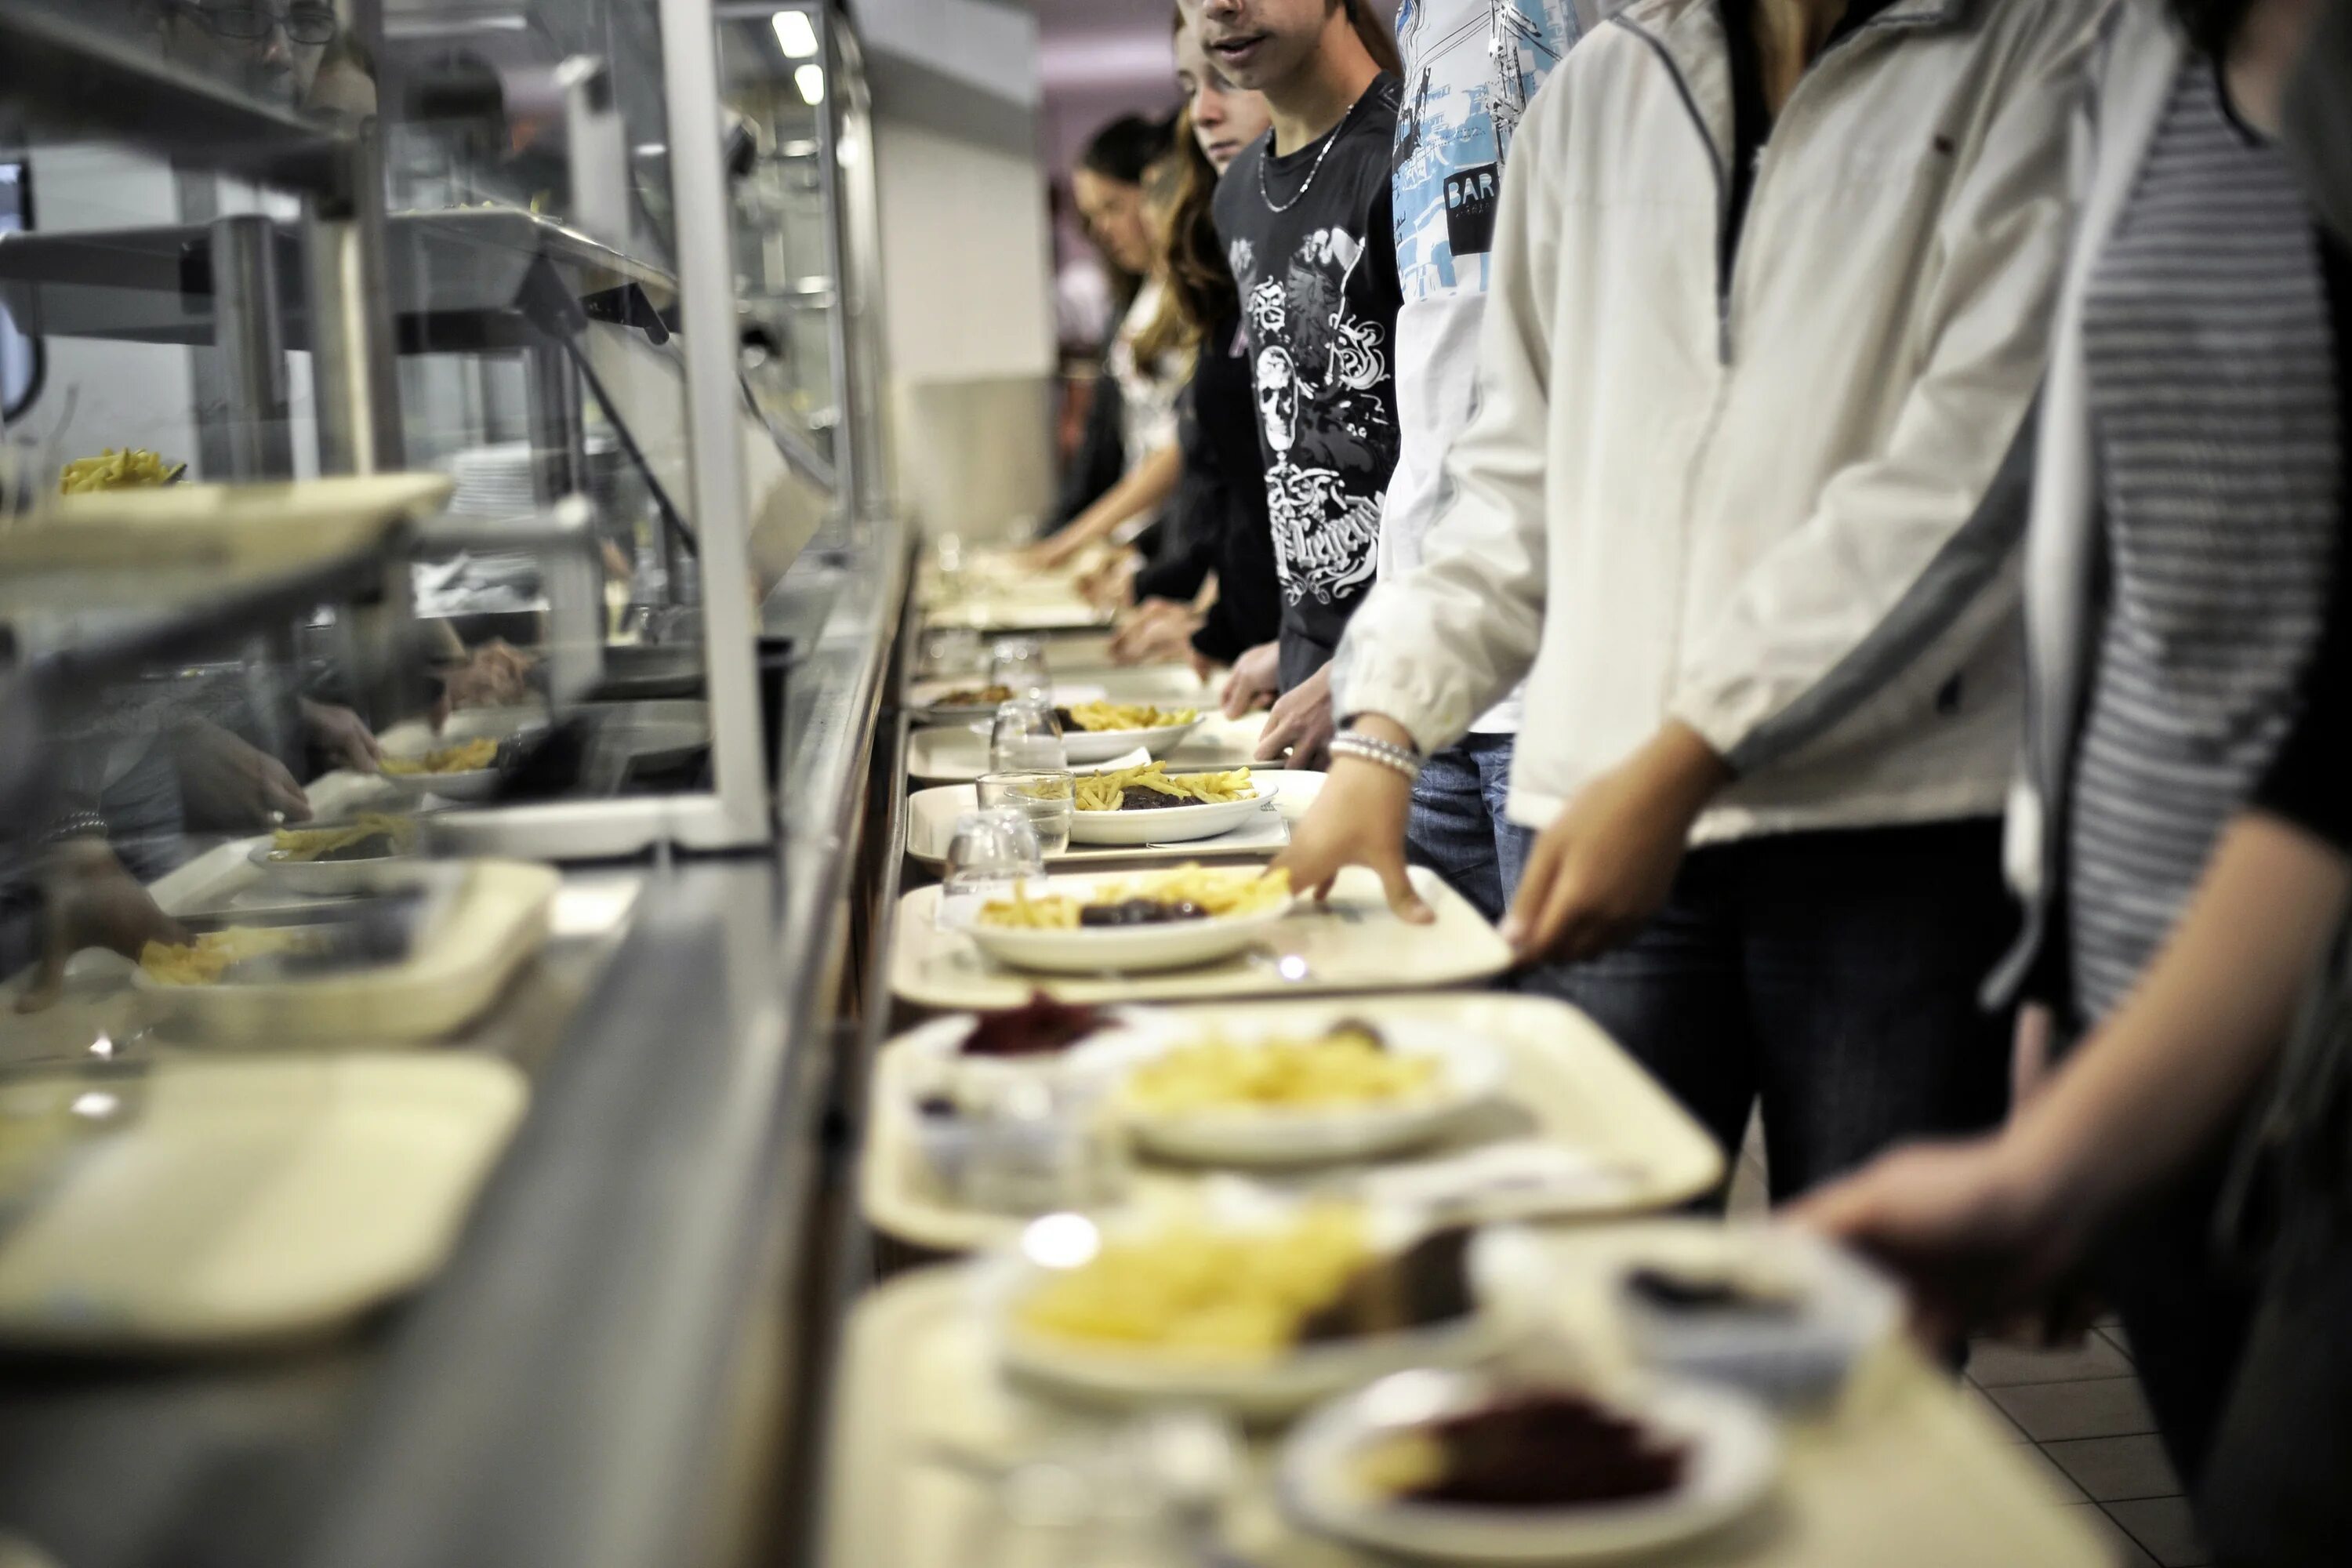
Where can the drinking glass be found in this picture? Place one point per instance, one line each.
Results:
(953, 652)
(1047, 796)
(1026, 738)
(989, 853)
(1018, 664)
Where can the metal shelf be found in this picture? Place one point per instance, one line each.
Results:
(63, 77)
(459, 280)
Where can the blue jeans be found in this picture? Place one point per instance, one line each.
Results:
(1831, 974)
(1458, 828)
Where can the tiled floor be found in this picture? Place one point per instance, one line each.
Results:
(2081, 1413)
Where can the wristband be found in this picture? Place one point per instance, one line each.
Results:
(1370, 749)
(76, 824)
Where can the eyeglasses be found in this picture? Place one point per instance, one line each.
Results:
(303, 24)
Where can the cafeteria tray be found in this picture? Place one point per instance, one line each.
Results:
(1901, 1472)
(494, 920)
(1351, 945)
(209, 1203)
(1160, 686)
(1568, 1083)
(932, 815)
(999, 614)
(959, 755)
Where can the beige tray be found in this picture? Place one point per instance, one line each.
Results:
(1352, 944)
(1903, 1474)
(1161, 685)
(1025, 613)
(1569, 1083)
(959, 755)
(243, 1199)
(496, 920)
(932, 815)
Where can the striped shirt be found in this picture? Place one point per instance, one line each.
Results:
(2209, 355)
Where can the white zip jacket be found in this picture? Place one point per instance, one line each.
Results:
(1781, 506)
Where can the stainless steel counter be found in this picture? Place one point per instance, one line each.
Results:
(608, 1371)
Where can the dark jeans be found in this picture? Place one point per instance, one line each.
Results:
(1458, 828)
(2186, 1309)
(1834, 975)
(2277, 1491)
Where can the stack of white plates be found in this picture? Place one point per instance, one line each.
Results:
(493, 481)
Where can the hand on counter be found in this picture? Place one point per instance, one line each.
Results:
(1300, 726)
(1255, 682)
(342, 736)
(1971, 1227)
(1161, 632)
(1358, 819)
(91, 901)
(1599, 873)
(1111, 585)
(495, 675)
(227, 784)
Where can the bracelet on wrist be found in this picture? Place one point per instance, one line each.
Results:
(1381, 753)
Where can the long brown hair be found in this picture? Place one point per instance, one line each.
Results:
(1199, 290)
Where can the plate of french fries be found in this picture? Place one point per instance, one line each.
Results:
(1259, 1306)
(342, 857)
(1283, 1096)
(1142, 923)
(1149, 804)
(1099, 731)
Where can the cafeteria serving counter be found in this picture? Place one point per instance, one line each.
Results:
(610, 1369)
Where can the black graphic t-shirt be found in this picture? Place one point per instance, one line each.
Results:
(1320, 298)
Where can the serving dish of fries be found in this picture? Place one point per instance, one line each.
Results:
(1098, 731)
(1163, 920)
(345, 858)
(1149, 804)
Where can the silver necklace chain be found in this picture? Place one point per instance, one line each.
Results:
(1314, 169)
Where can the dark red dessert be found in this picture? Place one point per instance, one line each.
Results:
(1549, 1450)
(1037, 1028)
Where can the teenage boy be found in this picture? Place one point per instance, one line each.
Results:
(1470, 68)
(1741, 502)
(1305, 217)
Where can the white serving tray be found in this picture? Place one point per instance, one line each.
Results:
(1566, 1084)
(932, 815)
(1350, 945)
(924, 1428)
(959, 755)
(495, 921)
(246, 1199)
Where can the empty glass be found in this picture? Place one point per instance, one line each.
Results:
(1018, 664)
(1047, 796)
(953, 652)
(1026, 738)
(989, 853)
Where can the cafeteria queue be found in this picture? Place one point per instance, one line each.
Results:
(1836, 556)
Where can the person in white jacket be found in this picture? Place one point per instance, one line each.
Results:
(1741, 503)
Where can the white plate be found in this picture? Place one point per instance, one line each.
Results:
(1254, 1387)
(1178, 944)
(931, 814)
(330, 878)
(1102, 745)
(1472, 1071)
(473, 783)
(923, 704)
(1734, 1456)
(1170, 825)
